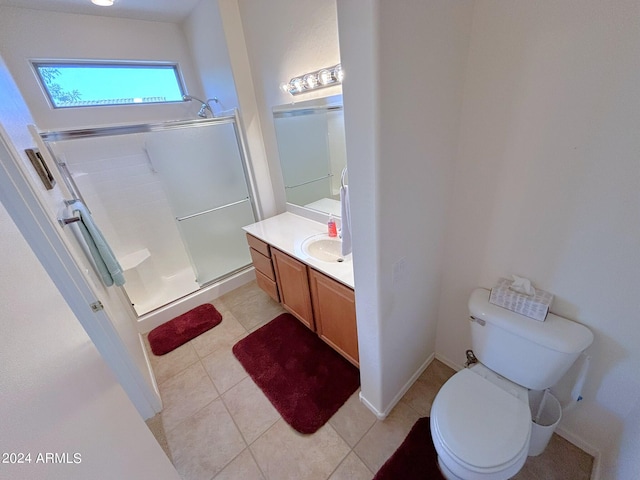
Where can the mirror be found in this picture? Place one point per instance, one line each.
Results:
(311, 144)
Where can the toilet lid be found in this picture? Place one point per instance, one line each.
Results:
(480, 423)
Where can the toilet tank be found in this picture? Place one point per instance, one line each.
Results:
(528, 352)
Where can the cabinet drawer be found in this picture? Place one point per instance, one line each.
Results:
(268, 286)
(259, 245)
(263, 264)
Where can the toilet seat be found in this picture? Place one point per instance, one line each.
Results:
(482, 422)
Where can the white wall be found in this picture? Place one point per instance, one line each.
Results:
(409, 60)
(34, 34)
(548, 186)
(208, 45)
(58, 395)
(357, 24)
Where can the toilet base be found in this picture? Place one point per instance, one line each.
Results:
(505, 474)
(446, 473)
(452, 470)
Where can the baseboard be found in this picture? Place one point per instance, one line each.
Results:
(448, 362)
(374, 410)
(156, 402)
(585, 447)
(385, 413)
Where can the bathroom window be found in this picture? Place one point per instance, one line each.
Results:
(91, 84)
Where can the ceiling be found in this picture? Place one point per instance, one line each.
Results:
(156, 10)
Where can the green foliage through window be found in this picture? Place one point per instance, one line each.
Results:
(58, 94)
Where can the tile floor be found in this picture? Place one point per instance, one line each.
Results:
(217, 424)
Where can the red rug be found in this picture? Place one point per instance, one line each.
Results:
(304, 378)
(180, 330)
(415, 459)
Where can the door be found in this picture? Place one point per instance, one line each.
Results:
(334, 309)
(58, 395)
(117, 339)
(203, 174)
(293, 283)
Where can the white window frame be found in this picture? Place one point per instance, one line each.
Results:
(37, 64)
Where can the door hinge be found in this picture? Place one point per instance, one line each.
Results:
(97, 306)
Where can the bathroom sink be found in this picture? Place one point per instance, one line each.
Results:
(324, 248)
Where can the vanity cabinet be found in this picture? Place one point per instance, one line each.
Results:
(262, 261)
(293, 283)
(323, 304)
(334, 309)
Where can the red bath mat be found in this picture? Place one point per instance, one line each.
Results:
(304, 378)
(415, 459)
(180, 330)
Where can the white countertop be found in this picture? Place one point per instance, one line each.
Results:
(287, 231)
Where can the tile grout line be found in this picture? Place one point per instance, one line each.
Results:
(200, 409)
(180, 371)
(221, 396)
(341, 461)
(358, 443)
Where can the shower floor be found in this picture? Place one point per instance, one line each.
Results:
(173, 287)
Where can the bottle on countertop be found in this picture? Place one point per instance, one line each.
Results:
(332, 230)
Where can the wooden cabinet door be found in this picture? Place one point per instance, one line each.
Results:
(334, 308)
(293, 283)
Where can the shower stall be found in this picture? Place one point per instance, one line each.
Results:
(171, 200)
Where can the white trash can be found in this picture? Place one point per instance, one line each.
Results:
(546, 413)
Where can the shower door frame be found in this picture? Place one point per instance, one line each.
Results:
(74, 134)
(106, 131)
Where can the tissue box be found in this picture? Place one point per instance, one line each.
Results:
(532, 306)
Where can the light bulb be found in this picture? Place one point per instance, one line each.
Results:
(311, 81)
(297, 84)
(285, 87)
(338, 73)
(325, 77)
(102, 3)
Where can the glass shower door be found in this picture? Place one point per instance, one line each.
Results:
(204, 177)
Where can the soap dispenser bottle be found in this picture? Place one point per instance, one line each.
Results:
(331, 227)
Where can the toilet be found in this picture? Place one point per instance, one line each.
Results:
(480, 418)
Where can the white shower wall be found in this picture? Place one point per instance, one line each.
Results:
(126, 198)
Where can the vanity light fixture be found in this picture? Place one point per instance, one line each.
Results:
(325, 77)
(102, 3)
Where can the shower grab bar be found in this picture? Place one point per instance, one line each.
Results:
(212, 210)
(310, 181)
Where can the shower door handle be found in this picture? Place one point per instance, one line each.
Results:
(212, 210)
